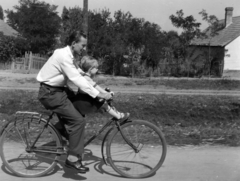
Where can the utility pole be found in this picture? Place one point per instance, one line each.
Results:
(85, 16)
(85, 19)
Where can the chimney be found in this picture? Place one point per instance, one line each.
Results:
(228, 16)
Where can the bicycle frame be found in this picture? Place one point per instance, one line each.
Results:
(31, 148)
(98, 133)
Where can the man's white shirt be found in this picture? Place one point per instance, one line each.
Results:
(60, 67)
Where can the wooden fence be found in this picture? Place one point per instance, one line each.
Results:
(30, 63)
(6, 65)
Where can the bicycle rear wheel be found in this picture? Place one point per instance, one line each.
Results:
(19, 160)
(151, 145)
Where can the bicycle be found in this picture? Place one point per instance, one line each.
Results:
(30, 146)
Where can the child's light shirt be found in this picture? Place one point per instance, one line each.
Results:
(88, 78)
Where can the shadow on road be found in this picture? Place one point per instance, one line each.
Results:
(89, 160)
(99, 165)
(4, 169)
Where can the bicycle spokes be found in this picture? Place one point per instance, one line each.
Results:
(137, 149)
(30, 149)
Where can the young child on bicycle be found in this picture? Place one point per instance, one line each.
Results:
(84, 103)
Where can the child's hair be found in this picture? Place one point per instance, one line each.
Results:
(88, 62)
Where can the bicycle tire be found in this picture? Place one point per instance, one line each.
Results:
(13, 147)
(148, 160)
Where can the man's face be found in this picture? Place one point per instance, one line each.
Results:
(79, 47)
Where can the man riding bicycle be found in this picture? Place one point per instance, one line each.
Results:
(53, 76)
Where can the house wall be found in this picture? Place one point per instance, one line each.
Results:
(200, 58)
(232, 56)
(232, 60)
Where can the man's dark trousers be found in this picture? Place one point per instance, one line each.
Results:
(56, 100)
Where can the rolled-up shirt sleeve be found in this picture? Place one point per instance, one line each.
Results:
(80, 70)
(74, 76)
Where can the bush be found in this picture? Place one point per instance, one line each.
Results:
(11, 47)
(183, 119)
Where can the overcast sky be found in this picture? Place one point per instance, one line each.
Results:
(155, 11)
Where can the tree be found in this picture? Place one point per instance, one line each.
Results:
(122, 41)
(172, 43)
(135, 47)
(121, 26)
(72, 20)
(10, 47)
(171, 52)
(111, 40)
(213, 24)
(108, 38)
(7, 48)
(213, 27)
(190, 30)
(37, 22)
(100, 33)
(1, 13)
(153, 45)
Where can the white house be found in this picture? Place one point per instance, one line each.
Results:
(227, 38)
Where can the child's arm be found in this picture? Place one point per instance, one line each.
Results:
(96, 86)
(100, 89)
(80, 71)
(78, 68)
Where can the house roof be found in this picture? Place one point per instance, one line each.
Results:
(224, 36)
(6, 29)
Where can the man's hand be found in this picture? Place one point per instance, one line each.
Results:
(112, 93)
(108, 90)
(105, 96)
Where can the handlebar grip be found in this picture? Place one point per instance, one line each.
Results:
(107, 89)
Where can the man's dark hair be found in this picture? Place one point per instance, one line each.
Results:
(75, 36)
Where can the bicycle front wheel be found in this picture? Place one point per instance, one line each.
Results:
(151, 149)
(15, 155)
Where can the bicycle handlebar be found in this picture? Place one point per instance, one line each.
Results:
(110, 100)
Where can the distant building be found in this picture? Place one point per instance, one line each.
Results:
(226, 42)
(7, 30)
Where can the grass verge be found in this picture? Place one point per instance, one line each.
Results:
(174, 83)
(168, 83)
(184, 119)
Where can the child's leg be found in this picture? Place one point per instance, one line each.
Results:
(118, 115)
(86, 105)
(114, 112)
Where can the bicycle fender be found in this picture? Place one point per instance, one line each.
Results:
(105, 137)
(57, 132)
(4, 127)
(102, 147)
(126, 121)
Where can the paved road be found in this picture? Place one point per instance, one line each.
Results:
(190, 163)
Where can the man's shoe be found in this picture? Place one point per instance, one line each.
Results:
(77, 166)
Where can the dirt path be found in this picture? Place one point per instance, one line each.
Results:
(190, 163)
(147, 91)
(12, 81)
